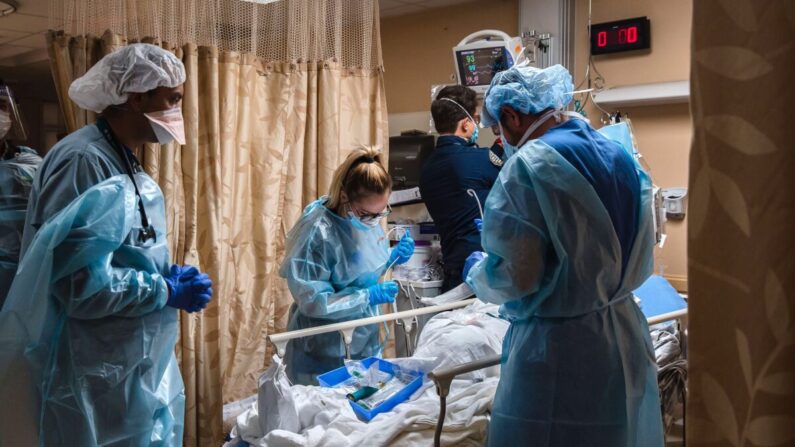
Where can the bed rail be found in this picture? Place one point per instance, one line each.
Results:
(346, 328)
(443, 377)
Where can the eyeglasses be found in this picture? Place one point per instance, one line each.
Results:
(369, 217)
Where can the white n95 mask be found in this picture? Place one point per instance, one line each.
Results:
(5, 123)
(168, 125)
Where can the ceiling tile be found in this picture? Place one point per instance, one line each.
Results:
(11, 50)
(394, 10)
(7, 35)
(34, 7)
(402, 10)
(389, 4)
(441, 3)
(37, 40)
(24, 22)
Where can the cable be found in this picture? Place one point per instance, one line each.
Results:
(597, 83)
(474, 195)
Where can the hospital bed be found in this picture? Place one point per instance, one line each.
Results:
(444, 377)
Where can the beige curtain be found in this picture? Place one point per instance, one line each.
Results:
(741, 238)
(263, 139)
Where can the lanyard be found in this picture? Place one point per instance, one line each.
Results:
(147, 231)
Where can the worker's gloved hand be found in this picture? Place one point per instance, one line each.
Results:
(402, 251)
(184, 271)
(188, 289)
(202, 298)
(472, 259)
(479, 225)
(384, 292)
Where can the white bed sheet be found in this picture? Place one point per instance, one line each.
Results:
(329, 420)
(450, 338)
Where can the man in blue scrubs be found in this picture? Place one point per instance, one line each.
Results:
(457, 165)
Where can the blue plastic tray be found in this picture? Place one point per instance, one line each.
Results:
(339, 375)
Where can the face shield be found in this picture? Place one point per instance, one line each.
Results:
(11, 126)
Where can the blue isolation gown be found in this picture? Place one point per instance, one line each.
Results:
(329, 264)
(578, 363)
(86, 340)
(16, 178)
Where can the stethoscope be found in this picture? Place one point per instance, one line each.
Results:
(147, 232)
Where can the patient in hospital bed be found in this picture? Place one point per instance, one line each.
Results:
(297, 415)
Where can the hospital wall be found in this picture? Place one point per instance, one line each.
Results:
(663, 132)
(417, 51)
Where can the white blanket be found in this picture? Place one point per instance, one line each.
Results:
(462, 336)
(450, 338)
(330, 421)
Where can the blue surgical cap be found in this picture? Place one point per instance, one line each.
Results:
(527, 90)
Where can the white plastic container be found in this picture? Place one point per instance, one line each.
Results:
(422, 256)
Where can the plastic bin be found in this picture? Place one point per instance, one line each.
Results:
(340, 375)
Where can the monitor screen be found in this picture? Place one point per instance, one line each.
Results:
(478, 66)
(406, 156)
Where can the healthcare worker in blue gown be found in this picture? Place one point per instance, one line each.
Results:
(18, 165)
(567, 236)
(335, 257)
(88, 331)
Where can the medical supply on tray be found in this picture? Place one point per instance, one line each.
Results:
(374, 385)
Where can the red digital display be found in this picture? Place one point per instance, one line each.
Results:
(602, 39)
(624, 35)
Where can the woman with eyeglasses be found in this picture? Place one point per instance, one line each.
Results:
(335, 255)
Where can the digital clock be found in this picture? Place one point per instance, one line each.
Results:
(622, 35)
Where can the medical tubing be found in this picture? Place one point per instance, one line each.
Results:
(472, 193)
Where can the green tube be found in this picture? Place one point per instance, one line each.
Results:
(362, 393)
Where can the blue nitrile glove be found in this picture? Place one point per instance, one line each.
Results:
(188, 289)
(472, 259)
(203, 292)
(184, 271)
(479, 225)
(402, 251)
(384, 292)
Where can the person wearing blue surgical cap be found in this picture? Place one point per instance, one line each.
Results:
(567, 235)
(335, 255)
(88, 330)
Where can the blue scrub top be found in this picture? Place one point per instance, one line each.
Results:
(609, 171)
(453, 167)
